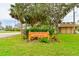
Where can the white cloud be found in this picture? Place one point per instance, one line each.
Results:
(4, 11)
(69, 16)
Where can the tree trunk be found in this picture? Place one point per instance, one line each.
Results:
(21, 29)
(26, 34)
(56, 33)
(56, 29)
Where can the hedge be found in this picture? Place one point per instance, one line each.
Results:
(51, 31)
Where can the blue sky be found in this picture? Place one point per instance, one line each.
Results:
(6, 19)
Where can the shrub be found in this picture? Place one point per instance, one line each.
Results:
(45, 40)
(51, 31)
(40, 29)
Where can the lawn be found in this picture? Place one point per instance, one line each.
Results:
(15, 46)
(8, 31)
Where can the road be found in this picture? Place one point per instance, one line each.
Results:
(3, 35)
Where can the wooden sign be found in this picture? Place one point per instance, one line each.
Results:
(38, 34)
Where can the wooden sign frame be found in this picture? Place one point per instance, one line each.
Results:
(38, 35)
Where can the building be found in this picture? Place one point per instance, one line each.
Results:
(67, 27)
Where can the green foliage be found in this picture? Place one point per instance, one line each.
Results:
(38, 30)
(10, 28)
(51, 31)
(44, 13)
(41, 28)
(45, 40)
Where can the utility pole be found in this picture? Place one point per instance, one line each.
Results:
(74, 18)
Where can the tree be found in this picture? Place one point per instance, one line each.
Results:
(8, 28)
(18, 11)
(58, 11)
(41, 13)
(1, 27)
(37, 13)
(52, 13)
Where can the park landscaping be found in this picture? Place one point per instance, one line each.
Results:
(15, 46)
(40, 34)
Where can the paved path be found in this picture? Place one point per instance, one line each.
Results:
(3, 35)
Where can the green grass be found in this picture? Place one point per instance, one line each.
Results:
(8, 31)
(15, 46)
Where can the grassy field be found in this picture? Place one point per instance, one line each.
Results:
(15, 46)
